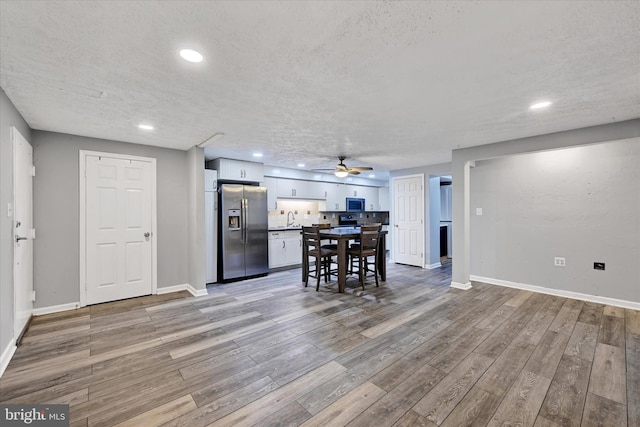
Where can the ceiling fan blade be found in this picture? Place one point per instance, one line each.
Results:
(328, 169)
(353, 172)
(361, 168)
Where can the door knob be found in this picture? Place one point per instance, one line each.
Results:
(18, 238)
(147, 234)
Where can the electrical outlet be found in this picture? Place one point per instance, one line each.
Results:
(598, 265)
(479, 211)
(559, 262)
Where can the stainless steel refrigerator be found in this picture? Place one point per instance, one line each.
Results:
(243, 237)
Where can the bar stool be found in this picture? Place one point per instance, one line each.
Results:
(323, 256)
(329, 245)
(367, 247)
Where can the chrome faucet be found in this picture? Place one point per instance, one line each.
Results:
(290, 223)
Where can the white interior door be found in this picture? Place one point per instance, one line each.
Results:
(408, 212)
(119, 213)
(23, 231)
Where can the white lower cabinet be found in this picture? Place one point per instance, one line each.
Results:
(285, 248)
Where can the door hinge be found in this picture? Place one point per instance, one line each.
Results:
(33, 233)
(33, 171)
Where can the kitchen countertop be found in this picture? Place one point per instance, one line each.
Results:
(284, 228)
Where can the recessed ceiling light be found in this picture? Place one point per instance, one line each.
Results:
(301, 165)
(145, 127)
(372, 176)
(191, 55)
(257, 154)
(539, 105)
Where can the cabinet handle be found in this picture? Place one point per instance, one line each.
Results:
(283, 244)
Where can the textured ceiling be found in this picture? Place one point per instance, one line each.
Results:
(389, 84)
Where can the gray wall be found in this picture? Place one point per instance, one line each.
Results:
(462, 207)
(431, 206)
(9, 116)
(580, 203)
(56, 213)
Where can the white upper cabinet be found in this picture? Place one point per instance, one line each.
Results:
(335, 196)
(299, 189)
(369, 194)
(371, 199)
(316, 190)
(238, 170)
(292, 188)
(272, 192)
(210, 180)
(353, 191)
(383, 199)
(333, 193)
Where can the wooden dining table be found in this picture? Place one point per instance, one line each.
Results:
(343, 235)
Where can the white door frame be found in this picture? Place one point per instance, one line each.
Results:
(19, 329)
(393, 211)
(83, 220)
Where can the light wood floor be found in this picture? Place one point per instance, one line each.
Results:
(270, 352)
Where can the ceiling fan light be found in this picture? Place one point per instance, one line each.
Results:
(341, 174)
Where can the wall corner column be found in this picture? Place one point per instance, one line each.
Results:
(197, 247)
(460, 277)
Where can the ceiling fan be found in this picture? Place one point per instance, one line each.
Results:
(341, 170)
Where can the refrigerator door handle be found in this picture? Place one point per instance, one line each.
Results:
(245, 208)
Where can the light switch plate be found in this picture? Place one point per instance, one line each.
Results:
(10, 210)
(479, 211)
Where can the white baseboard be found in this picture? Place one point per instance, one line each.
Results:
(197, 292)
(55, 308)
(171, 289)
(463, 286)
(558, 292)
(432, 266)
(183, 287)
(7, 354)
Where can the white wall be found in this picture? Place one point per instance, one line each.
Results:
(9, 116)
(56, 213)
(579, 203)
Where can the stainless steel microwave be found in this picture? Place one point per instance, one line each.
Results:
(355, 204)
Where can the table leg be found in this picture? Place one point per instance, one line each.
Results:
(305, 262)
(342, 264)
(382, 258)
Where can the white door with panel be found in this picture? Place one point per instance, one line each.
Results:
(408, 212)
(23, 231)
(119, 216)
